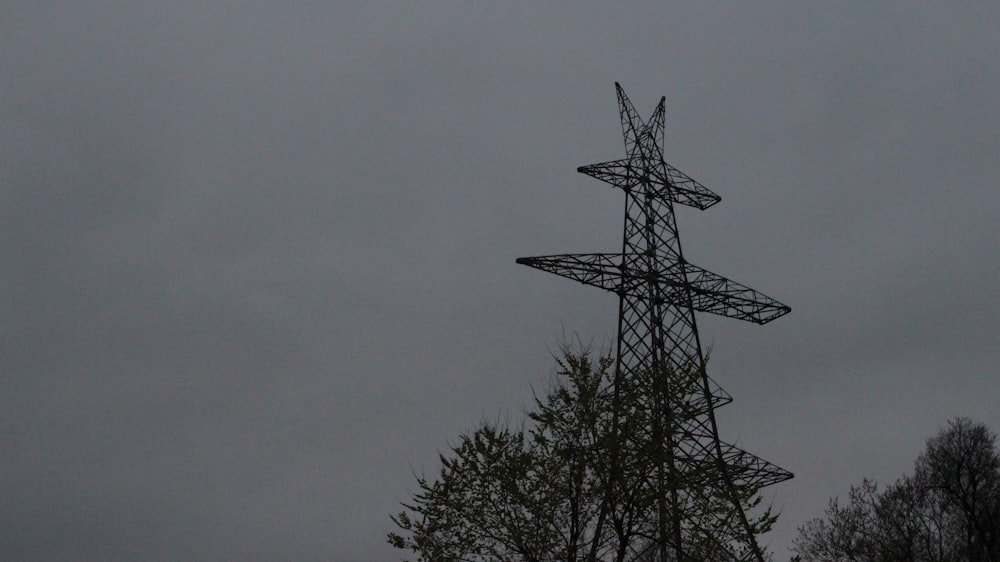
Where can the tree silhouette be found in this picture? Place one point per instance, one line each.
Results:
(579, 479)
(949, 510)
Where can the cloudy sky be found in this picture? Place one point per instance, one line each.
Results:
(257, 262)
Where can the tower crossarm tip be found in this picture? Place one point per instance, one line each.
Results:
(711, 292)
(749, 471)
(684, 190)
(596, 270)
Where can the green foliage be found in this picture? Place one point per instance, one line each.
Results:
(577, 482)
(949, 510)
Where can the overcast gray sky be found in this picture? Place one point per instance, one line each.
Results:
(257, 261)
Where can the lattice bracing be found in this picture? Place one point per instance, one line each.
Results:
(679, 187)
(707, 291)
(706, 482)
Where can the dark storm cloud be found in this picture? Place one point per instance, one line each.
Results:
(257, 264)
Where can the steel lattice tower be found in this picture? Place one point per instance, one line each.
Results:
(659, 292)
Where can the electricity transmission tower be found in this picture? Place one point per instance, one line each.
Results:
(658, 293)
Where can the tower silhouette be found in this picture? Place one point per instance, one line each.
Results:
(701, 483)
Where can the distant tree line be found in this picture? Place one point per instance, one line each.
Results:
(947, 511)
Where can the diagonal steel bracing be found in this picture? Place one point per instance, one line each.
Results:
(659, 292)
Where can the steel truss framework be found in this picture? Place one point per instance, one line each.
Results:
(659, 292)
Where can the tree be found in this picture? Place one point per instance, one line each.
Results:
(576, 482)
(949, 510)
(961, 471)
